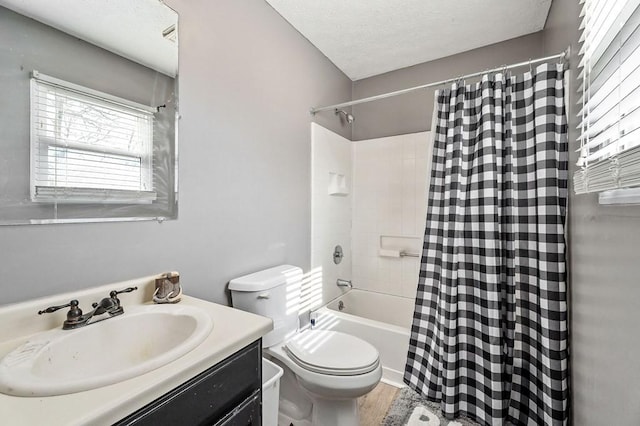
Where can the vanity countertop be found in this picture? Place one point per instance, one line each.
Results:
(232, 330)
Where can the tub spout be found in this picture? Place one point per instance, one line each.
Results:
(344, 283)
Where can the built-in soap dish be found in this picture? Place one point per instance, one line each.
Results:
(338, 184)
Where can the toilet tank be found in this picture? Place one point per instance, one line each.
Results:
(273, 293)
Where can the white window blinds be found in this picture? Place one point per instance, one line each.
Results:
(88, 146)
(609, 153)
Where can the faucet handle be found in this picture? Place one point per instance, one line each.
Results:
(73, 304)
(117, 310)
(115, 293)
(74, 316)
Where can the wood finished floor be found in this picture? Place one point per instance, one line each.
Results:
(374, 405)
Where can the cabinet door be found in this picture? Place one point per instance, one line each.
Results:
(248, 413)
(208, 397)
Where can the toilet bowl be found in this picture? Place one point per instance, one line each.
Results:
(324, 371)
(333, 373)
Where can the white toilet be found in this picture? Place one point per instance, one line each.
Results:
(324, 371)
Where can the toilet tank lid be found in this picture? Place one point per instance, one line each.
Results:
(266, 279)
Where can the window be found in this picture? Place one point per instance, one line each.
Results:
(610, 116)
(88, 146)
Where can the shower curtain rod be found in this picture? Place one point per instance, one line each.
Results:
(314, 110)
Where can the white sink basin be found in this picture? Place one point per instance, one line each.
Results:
(142, 339)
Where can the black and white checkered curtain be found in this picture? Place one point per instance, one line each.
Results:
(489, 334)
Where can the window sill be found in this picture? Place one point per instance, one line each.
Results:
(70, 195)
(628, 196)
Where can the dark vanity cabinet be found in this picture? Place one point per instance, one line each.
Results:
(229, 393)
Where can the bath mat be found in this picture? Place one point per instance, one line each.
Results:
(411, 409)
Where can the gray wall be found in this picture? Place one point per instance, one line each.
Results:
(411, 112)
(247, 80)
(604, 281)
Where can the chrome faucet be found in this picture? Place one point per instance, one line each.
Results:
(75, 318)
(344, 283)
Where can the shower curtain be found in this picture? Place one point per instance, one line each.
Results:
(489, 334)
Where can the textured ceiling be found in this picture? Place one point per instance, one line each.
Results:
(132, 29)
(370, 37)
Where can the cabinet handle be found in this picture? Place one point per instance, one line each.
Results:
(263, 295)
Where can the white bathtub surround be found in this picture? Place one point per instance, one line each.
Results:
(105, 405)
(378, 224)
(383, 320)
(390, 183)
(370, 197)
(331, 181)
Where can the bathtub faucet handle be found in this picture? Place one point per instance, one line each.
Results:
(344, 283)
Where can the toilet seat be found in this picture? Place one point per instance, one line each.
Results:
(332, 353)
(326, 386)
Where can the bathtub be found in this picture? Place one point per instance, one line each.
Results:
(381, 319)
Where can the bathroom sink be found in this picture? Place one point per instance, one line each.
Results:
(144, 338)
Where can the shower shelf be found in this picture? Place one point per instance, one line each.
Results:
(399, 246)
(337, 184)
(396, 253)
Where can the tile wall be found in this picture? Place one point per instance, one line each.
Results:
(389, 204)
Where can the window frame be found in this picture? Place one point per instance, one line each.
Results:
(89, 195)
(609, 152)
